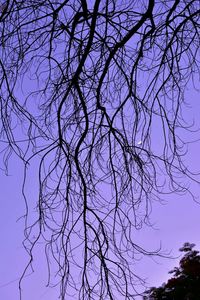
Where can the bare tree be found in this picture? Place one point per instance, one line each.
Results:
(98, 81)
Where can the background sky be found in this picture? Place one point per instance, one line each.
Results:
(174, 222)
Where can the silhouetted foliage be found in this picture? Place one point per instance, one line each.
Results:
(92, 94)
(185, 285)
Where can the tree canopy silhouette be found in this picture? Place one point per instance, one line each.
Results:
(92, 93)
(185, 285)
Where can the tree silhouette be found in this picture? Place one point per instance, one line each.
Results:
(86, 87)
(185, 285)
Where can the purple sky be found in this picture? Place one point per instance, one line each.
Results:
(175, 222)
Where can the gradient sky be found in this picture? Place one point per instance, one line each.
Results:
(175, 222)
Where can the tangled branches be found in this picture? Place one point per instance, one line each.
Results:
(100, 80)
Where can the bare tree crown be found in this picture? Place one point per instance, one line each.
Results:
(86, 86)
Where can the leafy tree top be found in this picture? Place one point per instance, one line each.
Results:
(185, 284)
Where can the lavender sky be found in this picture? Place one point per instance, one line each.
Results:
(174, 220)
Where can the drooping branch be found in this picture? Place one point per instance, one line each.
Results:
(99, 82)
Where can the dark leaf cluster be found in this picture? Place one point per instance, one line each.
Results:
(185, 284)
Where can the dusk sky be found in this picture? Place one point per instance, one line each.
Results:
(99, 128)
(174, 222)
